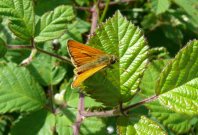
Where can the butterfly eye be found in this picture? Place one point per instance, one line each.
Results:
(113, 61)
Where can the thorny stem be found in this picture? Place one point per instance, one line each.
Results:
(19, 47)
(103, 5)
(55, 55)
(29, 59)
(32, 54)
(110, 113)
(83, 8)
(30, 47)
(95, 15)
(79, 118)
(117, 112)
(126, 109)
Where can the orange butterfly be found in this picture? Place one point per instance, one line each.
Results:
(87, 60)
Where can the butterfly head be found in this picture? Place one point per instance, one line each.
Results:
(113, 59)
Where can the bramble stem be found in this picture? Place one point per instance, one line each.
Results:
(55, 55)
(102, 5)
(126, 109)
(117, 112)
(14, 47)
(79, 118)
(110, 113)
(30, 47)
(28, 60)
(95, 15)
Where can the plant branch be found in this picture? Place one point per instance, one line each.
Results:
(103, 5)
(95, 15)
(109, 113)
(14, 47)
(32, 54)
(51, 94)
(30, 47)
(126, 109)
(83, 8)
(117, 112)
(29, 59)
(67, 60)
(79, 118)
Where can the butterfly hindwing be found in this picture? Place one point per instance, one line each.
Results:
(83, 76)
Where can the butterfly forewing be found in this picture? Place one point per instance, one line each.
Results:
(82, 54)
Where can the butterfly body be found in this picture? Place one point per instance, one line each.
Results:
(102, 60)
(87, 61)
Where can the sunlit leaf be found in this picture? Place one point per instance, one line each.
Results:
(53, 24)
(147, 126)
(179, 123)
(150, 77)
(63, 125)
(119, 37)
(178, 83)
(21, 16)
(18, 90)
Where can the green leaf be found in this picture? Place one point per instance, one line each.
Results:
(49, 126)
(71, 96)
(125, 126)
(63, 125)
(18, 90)
(75, 30)
(178, 83)
(47, 70)
(179, 123)
(53, 24)
(37, 123)
(44, 6)
(119, 37)
(190, 7)
(65, 120)
(21, 16)
(150, 77)
(3, 48)
(95, 125)
(160, 6)
(147, 126)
